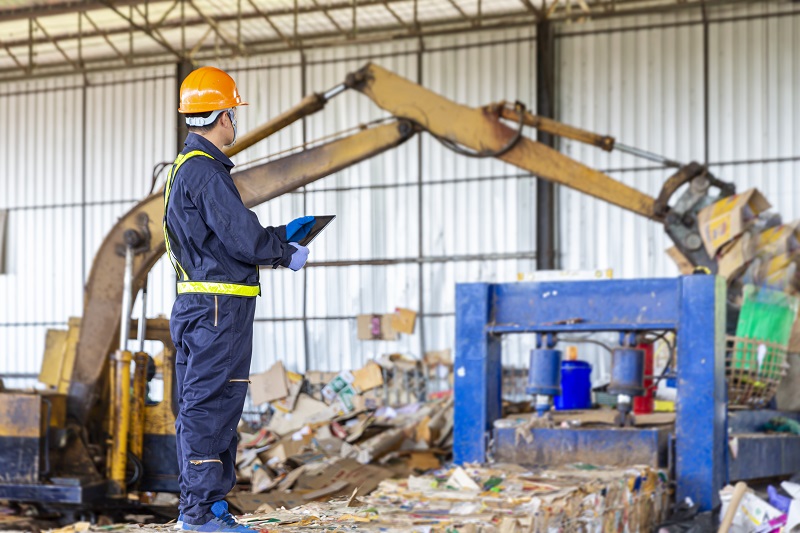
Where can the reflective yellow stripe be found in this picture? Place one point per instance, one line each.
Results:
(218, 287)
(177, 266)
(198, 462)
(180, 160)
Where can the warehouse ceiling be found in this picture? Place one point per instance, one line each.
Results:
(51, 37)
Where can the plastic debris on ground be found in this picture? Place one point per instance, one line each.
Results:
(777, 512)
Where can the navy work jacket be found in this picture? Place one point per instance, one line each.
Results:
(214, 236)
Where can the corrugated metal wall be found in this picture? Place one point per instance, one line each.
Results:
(44, 205)
(75, 156)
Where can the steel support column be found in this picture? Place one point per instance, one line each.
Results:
(183, 69)
(545, 107)
(701, 409)
(478, 373)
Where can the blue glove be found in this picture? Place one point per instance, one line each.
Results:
(299, 258)
(777, 500)
(297, 229)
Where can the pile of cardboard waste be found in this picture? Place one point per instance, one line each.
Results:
(339, 453)
(750, 243)
(324, 434)
(500, 498)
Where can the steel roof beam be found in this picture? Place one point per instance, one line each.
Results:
(215, 26)
(152, 33)
(106, 38)
(61, 8)
(56, 45)
(200, 21)
(523, 13)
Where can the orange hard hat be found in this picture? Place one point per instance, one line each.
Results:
(208, 89)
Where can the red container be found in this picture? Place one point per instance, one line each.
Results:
(645, 404)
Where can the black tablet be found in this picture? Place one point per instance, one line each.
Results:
(320, 223)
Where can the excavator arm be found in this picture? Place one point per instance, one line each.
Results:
(492, 131)
(483, 131)
(480, 130)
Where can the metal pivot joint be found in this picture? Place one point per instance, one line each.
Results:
(136, 238)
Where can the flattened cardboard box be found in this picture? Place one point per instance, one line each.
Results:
(439, 357)
(342, 380)
(367, 378)
(295, 384)
(372, 399)
(317, 377)
(779, 271)
(736, 255)
(283, 449)
(404, 320)
(270, 385)
(307, 411)
(726, 219)
(780, 239)
(375, 327)
(365, 477)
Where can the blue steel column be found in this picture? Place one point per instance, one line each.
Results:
(478, 373)
(701, 409)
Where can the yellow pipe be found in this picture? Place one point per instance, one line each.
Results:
(122, 415)
(137, 404)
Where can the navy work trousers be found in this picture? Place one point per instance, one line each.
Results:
(213, 336)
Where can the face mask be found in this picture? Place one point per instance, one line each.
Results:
(232, 116)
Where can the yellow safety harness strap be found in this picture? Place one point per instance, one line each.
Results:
(218, 287)
(185, 285)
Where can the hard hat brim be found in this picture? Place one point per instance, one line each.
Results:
(206, 108)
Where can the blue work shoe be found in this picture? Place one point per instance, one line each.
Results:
(223, 523)
(179, 523)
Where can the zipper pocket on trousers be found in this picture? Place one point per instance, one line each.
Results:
(239, 381)
(198, 462)
(216, 310)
